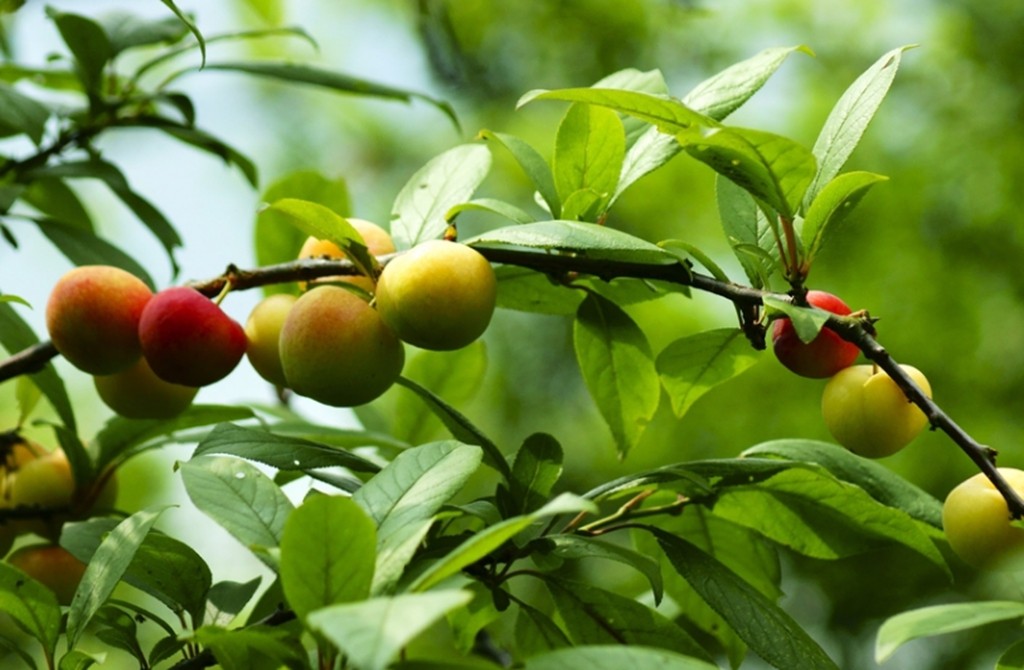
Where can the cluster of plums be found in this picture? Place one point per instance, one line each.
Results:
(869, 414)
(32, 477)
(339, 343)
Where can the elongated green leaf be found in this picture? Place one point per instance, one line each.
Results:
(491, 206)
(254, 648)
(618, 368)
(79, 660)
(276, 240)
(372, 632)
(1012, 658)
(807, 321)
(575, 237)
(691, 366)
(578, 547)
(767, 629)
(880, 482)
(31, 605)
(746, 225)
(668, 115)
(614, 657)
(184, 18)
(772, 168)
(533, 164)
(163, 567)
(125, 30)
(58, 201)
(526, 290)
(21, 114)
(589, 150)
(724, 93)
(630, 79)
(15, 336)
(459, 426)
(594, 616)
(89, 45)
(813, 513)
(403, 498)
(940, 620)
(82, 247)
(240, 498)
(535, 471)
(830, 208)
(849, 118)
(108, 565)
(536, 633)
(327, 554)
(455, 376)
(323, 223)
(479, 545)
(200, 139)
(449, 179)
(278, 451)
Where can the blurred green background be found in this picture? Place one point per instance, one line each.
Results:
(935, 252)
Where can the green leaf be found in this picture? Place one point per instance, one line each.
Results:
(184, 18)
(691, 366)
(404, 497)
(767, 629)
(455, 376)
(614, 657)
(594, 616)
(80, 660)
(589, 150)
(327, 554)
(533, 164)
(21, 114)
(108, 565)
(372, 632)
(323, 223)
(811, 512)
(830, 208)
(1012, 658)
(254, 648)
(459, 426)
(491, 206)
(82, 247)
(618, 368)
(848, 120)
(651, 150)
(772, 168)
(536, 633)
(630, 79)
(668, 115)
(535, 471)
(578, 547)
(15, 336)
(682, 250)
(127, 31)
(724, 93)
(576, 238)
(89, 45)
(278, 451)
(481, 544)
(58, 201)
(189, 134)
(165, 568)
(807, 321)
(240, 498)
(526, 290)
(226, 599)
(744, 225)
(448, 179)
(879, 481)
(299, 73)
(31, 605)
(939, 620)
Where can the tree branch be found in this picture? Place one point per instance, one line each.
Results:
(857, 330)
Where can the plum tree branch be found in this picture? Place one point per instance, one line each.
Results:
(855, 329)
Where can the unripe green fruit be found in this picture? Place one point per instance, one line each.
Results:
(977, 522)
(438, 295)
(869, 414)
(137, 393)
(187, 339)
(263, 331)
(51, 565)
(92, 316)
(823, 356)
(336, 349)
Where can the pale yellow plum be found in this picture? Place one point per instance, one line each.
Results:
(336, 349)
(92, 316)
(263, 330)
(439, 295)
(976, 520)
(869, 414)
(137, 393)
(378, 242)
